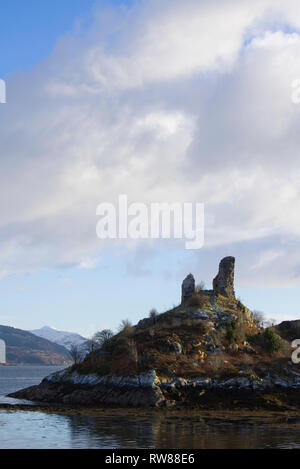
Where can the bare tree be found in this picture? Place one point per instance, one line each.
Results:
(91, 345)
(259, 318)
(102, 336)
(200, 287)
(270, 322)
(76, 353)
(126, 327)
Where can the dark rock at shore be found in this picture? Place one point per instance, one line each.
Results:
(89, 396)
(149, 390)
(97, 397)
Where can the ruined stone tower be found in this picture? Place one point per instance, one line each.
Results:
(224, 281)
(187, 288)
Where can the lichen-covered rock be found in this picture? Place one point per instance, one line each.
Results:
(188, 288)
(224, 282)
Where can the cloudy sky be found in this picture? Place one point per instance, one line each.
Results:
(162, 100)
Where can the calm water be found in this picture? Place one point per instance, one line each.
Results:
(14, 378)
(133, 429)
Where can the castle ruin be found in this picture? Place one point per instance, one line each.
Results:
(223, 283)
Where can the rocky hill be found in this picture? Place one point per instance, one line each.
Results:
(209, 351)
(22, 347)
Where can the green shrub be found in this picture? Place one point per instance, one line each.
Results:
(268, 340)
(231, 331)
(272, 341)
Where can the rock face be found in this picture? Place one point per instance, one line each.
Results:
(188, 288)
(91, 390)
(149, 390)
(224, 281)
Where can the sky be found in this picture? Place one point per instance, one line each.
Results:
(163, 101)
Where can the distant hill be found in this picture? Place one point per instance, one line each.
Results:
(66, 339)
(289, 330)
(22, 347)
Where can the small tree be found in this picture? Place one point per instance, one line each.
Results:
(200, 287)
(91, 345)
(126, 326)
(76, 353)
(101, 337)
(258, 318)
(153, 314)
(231, 331)
(272, 341)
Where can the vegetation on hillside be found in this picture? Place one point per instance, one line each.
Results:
(210, 335)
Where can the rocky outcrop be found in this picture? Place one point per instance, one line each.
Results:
(149, 390)
(92, 390)
(187, 288)
(224, 282)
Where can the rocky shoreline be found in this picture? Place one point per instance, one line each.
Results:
(149, 390)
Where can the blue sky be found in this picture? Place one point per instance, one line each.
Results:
(30, 29)
(169, 110)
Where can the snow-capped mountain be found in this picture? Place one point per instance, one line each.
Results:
(60, 337)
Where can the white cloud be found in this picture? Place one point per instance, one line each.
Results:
(267, 257)
(188, 101)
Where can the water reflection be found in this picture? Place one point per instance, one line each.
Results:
(165, 431)
(110, 429)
